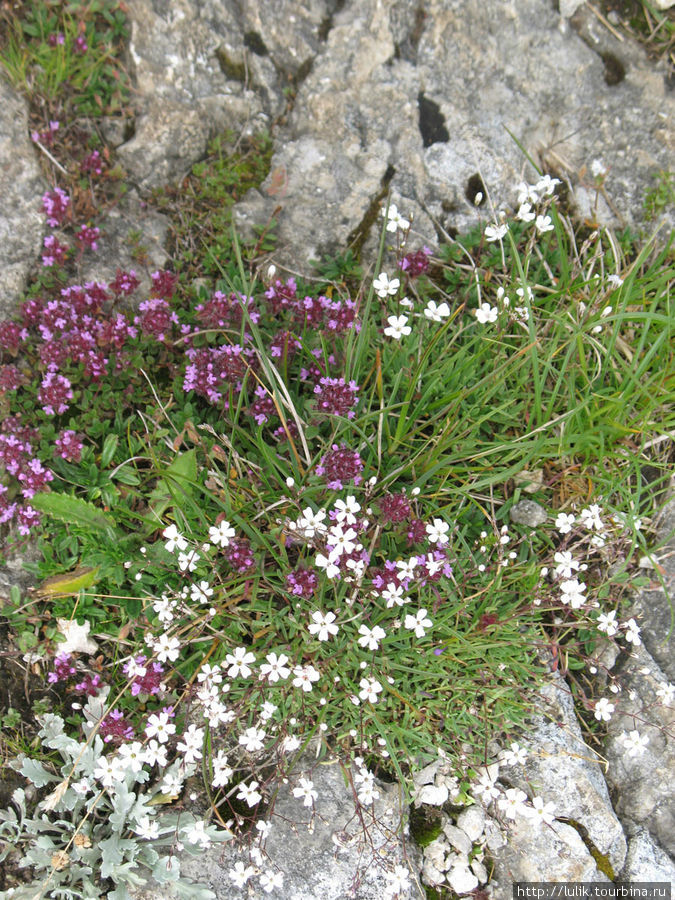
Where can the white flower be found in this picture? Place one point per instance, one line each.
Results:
(486, 313)
(323, 562)
(418, 623)
(164, 609)
(566, 564)
(211, 674)
(147, 828)
(495, 232)
(384, 287)
(512, 803)
(615, 280)
(160, 726)
(486, 787)
(311, 523)
(154, 753)
(398, 881)
(632, 632)
(347, 509)
(573, 593)
(196, 835)
(222, 772)
(547, 185)
(174, 539)
(603, 710)
(543, 224)
(275, 667)
(393, 594)
(322, 625)
(267, 711)
(371, 637)
(527, 193)
(407, 567)
(590, 518)
(304, 677)
(132, 756)
(436, 313)
(191, 744)
(341, 541)
(241, 873)
(290, 744)
(370, 688)
(666, 692)
(188, 561)
(607, 623)
(564, 522)
(249, 793)
(598, 168)
(220, 534)
(542, 812)
(394, 219)
(167, 648)
(271, 880)
(239, 662)
(200, 593)
(109, 770)
(398, 327)
(634, 743)
(515, 755)
(252, 739)
(438, 531)
(306, 790)
(525, 213)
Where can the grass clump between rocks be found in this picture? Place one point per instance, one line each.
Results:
(273, 512)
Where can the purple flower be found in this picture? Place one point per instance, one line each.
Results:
(53, 393)
(415, 264)
(302, 582)
(394, 508)
(114, 727)
(262, 407)
(157, 318)
(55, 204)
(63, 669)
(340, 465)
(69, 446)
(88, 236)
(336, 397)
(92, 163)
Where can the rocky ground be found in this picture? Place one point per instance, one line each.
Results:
(433, 102)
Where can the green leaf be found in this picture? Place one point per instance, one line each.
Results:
(109, 447)
(69, 582)
(73, 511)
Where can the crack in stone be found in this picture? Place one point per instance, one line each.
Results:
(358, 236)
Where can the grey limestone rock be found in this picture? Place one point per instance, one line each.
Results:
(22, 223)
(646, 861)
(527, 512)
(331, 858)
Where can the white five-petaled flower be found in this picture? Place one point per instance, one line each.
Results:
(407, 567)
(222, 772)
(252, 739)
(346, 510)
(573, 593)
(370, 688)
(486, 313)
(109, 769)
(566, 564)
(437, 531)
(607, 623)
(160, 726)
(418, 623)
(394, 219)
(147, 828)
(341, 541)
(564, 522)
(603, 710)
(384, 286)
(220, 534)
(174, 539)
(527, 193)
(270, 880)
(512, 803)
(547, 185)
(241, 873)
(436, 313)
(398, 881)
(167, 648)
(371, 637)
(322, 625)
(324, 562)
(666, 692)
(393, 594)
(132, 756)
(515, 755)
(398, 327)
(542, 812)
(634, 742)
(590, 518)
(249, 793)
(306, 790)
(196, 835)
(305, 676)
(275, 667)
(201, 592)
(495, 232)
(525, 213)
(311, 523)
(239, 662)
(191, 744)
(187, 562)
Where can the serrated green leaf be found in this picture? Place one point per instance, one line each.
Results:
(73, 511)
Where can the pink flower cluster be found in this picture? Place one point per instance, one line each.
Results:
(56, 251)
(54, 393)
(148, 683)
(55, 204)
(340, 465)
(92, 164)
(416, 264)
(46, 137)
(69, 446)
(302, 582)
(336, 397)
(88, 236)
